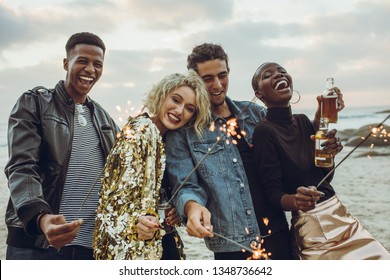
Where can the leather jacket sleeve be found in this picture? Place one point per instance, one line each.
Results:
(22, 169)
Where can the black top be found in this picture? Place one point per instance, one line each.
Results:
(276, 217)
(284, 155)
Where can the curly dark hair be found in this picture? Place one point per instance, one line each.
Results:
(206, 52)
(84, 38)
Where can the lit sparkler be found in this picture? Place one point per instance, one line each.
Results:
(128, 111)
(373, 131)
(230, 130)
(245, 248)
(258, 253)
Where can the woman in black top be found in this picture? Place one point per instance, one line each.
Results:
(284, 157)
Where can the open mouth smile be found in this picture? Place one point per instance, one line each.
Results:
(282, 84)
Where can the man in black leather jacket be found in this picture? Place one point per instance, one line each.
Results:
(58, 141)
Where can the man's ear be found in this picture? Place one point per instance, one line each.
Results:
(65, 64)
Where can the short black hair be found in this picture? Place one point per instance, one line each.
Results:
(84, 38)
(206, 52)
(256, 75)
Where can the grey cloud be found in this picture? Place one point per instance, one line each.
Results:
(23, 27)
(125, 67)
(20, 80)
(337, 42)
(174, 15)
(350, 39)
(120, 69)
(15, 28)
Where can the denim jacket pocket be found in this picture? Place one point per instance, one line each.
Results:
(216, 161)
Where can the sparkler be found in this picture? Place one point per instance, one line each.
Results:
(230, 129)
(358, 145)
(128, 134)
(258, 253)
(193, 170)
(245, 248)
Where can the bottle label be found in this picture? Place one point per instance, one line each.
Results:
(319, 142)
(321, 158)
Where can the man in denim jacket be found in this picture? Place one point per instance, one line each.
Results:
(213, 176)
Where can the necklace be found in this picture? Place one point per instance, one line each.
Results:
(80, 117)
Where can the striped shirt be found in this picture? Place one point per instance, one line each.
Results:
(82, 186)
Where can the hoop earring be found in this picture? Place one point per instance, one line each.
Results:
(299, 97)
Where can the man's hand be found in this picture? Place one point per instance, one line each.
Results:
(199, 220)
(57, 230)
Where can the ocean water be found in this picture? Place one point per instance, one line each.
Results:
(356, 117)
(349, 117)
(3, 133)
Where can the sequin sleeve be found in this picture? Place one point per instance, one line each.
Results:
(130, 188)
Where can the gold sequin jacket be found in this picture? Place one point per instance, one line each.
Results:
(130, 188)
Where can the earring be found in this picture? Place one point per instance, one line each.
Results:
(299, 97)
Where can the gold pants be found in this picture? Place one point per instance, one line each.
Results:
(329, 232)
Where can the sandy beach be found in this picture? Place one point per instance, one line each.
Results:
(361, 183)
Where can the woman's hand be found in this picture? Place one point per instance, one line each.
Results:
(333, 145)
(340, 100)
(307, 197)
(173, 218)
(340, 106)
(147, 227)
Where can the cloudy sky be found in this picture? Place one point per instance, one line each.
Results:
(147, 39)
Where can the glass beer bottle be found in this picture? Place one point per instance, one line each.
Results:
(163, 209)
(329, 106)
(321, 158)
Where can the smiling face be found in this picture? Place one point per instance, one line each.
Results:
(178, 107)
(274, 85)
(215, 74)
(84, 66)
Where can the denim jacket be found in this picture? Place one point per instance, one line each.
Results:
(216, 176)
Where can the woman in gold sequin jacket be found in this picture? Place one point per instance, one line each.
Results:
(128, 223)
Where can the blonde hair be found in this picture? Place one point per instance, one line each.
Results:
(156, 96)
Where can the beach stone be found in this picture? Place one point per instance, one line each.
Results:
(378, 142)
(352, 137)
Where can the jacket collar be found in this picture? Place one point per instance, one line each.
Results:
(240, 113)
(66, 98)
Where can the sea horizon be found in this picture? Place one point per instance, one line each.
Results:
(349, 118)
(355, 117)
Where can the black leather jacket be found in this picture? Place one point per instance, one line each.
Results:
(40, 136)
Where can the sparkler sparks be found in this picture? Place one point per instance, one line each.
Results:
(129, 110)
(230, 129)
(373, 132)
(258, 252)
(230, 134)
